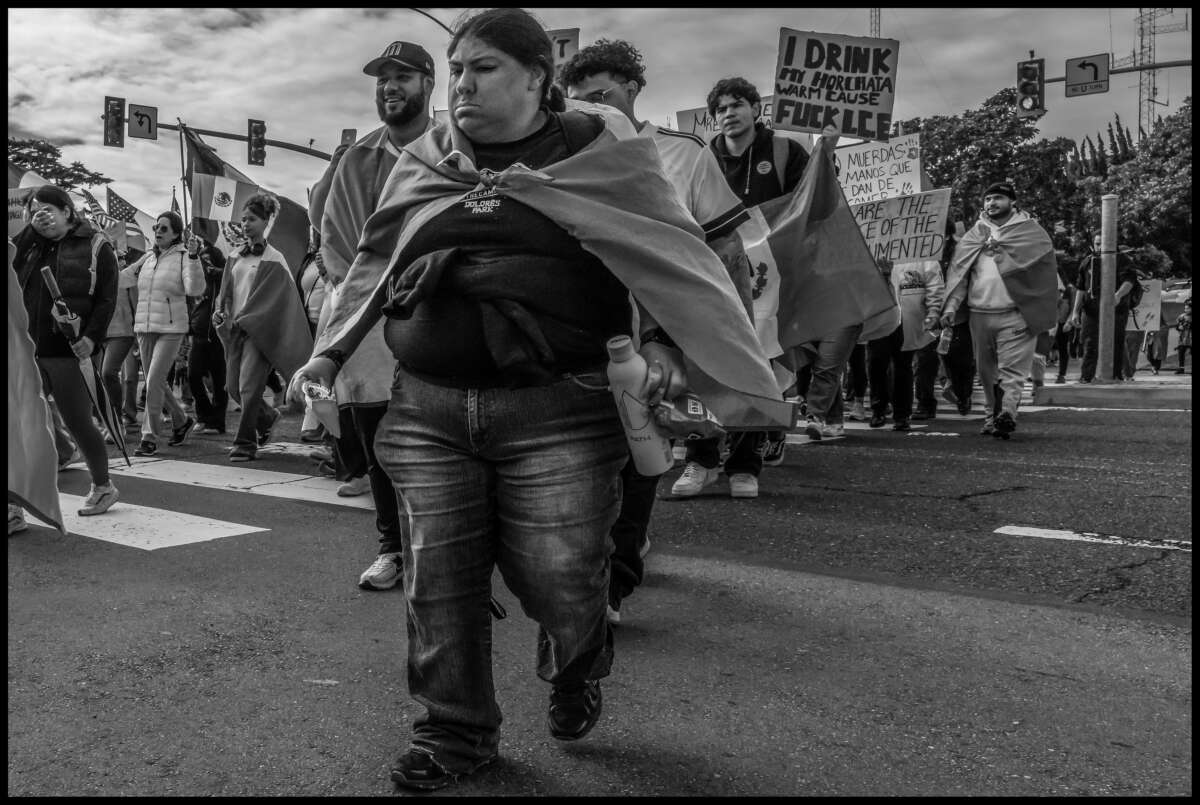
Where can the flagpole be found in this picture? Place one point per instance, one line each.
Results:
(183, 178)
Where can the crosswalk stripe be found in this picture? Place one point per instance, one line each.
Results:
(145, 527)
(244, 479)
(1086, 536)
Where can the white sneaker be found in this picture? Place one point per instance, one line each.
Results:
(814, 428)
(695, 477)
(383, 573)
(857, 412)
(99, 499)
(16, 519)
(743, 485)
(355, 487)
(833, 429)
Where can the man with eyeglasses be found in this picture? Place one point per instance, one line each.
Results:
(611, 72)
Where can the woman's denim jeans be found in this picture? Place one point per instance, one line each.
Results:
(521, 479)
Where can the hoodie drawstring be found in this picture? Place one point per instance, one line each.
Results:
(749, 159)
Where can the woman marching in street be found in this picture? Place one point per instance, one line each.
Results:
(503, 254)
(85, 269)
(166, 276)
(261, 321)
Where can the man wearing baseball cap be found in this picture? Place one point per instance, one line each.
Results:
(340, 203)
(1005, 269)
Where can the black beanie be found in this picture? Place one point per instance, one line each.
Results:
(1001, 188)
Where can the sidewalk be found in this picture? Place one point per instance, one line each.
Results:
(1146, 390)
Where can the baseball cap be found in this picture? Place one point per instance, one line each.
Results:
(1002, 189)
(405, 54)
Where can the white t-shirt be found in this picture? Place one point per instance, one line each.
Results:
(986, 290)
(698, 180)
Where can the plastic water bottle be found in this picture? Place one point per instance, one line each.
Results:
(627, 376)
(943, 347)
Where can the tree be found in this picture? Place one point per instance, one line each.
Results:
(1154, 191)
(45, 159)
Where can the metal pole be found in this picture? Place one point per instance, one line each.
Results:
(187, 222)
(1108, 287)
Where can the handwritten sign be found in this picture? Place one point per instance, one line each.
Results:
(16, 209)
(906, 228)
(875, 171)
(1148, 313)
(848, 82)
(702, 124)
(566, 45)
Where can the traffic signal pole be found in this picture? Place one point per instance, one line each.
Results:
(312, 152)
(1159, 66)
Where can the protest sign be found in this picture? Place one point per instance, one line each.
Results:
(16, 209)
(875, 171)
(1148, 313)
(566, 45)
(906, 228)
(702, 124)
(848, 82)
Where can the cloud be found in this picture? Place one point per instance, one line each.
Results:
(20, 99)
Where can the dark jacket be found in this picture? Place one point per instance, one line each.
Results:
(88, 285)
(1089, 281)
(753, 175)
(200, 319)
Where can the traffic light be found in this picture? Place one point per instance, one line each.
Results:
(114, 121)
(1031, 88)
(256, 142)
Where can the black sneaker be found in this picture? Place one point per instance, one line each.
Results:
(901, 424)
(1005, 424)
(773, 451)
(877, 421)
(417, 770)
(146, 448)
(264, 436)
(574, 709)
(180, 433)
(924, 415)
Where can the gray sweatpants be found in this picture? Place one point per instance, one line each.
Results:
(1003, 356)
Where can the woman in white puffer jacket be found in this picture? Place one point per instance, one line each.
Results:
(165, 278)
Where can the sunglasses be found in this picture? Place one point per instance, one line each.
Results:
(163, 228)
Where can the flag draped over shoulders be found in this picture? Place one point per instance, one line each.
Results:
(613, 197)
(32, 459)
(1024, 255)
(826, 278)
(273, 316)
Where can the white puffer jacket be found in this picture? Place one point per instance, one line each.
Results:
(164, 282)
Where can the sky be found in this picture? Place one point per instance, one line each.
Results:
(300, 70)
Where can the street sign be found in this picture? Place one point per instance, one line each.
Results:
(1087, 75)
(143, 121)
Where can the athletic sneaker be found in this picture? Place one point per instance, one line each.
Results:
(989, 426)
(264, 436)
(146, 448)
(99, 499)
(16, 519)
(831, 429)
(694, 479)
(355, 487)
(857, 412)
(948, 395)
(1005, 424)
(383, 573)
(181, 433)
(813, 428)
(773, 451)
(243, 452)
(743, 485)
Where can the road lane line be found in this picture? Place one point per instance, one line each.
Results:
(240, 478)
(1131, 542)
(145, 527)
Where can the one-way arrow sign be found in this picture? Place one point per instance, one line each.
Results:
(1087, 75)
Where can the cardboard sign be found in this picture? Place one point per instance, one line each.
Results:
(906, 228)
(566, 45)
(847, 82)
(16, 209)
(875, 171)
(1148, 314)
(700, 123)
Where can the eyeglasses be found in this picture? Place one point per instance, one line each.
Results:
(163, 228)
(598, 96)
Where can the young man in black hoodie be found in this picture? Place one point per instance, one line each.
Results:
(207, 355)
(758, 167)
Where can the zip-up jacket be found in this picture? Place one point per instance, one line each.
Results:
(164, 283)
(754, 175)
(84, 267)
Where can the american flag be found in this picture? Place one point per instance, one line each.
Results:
(121, 208)
(96, 212)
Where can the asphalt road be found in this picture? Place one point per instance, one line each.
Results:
(860, 628)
